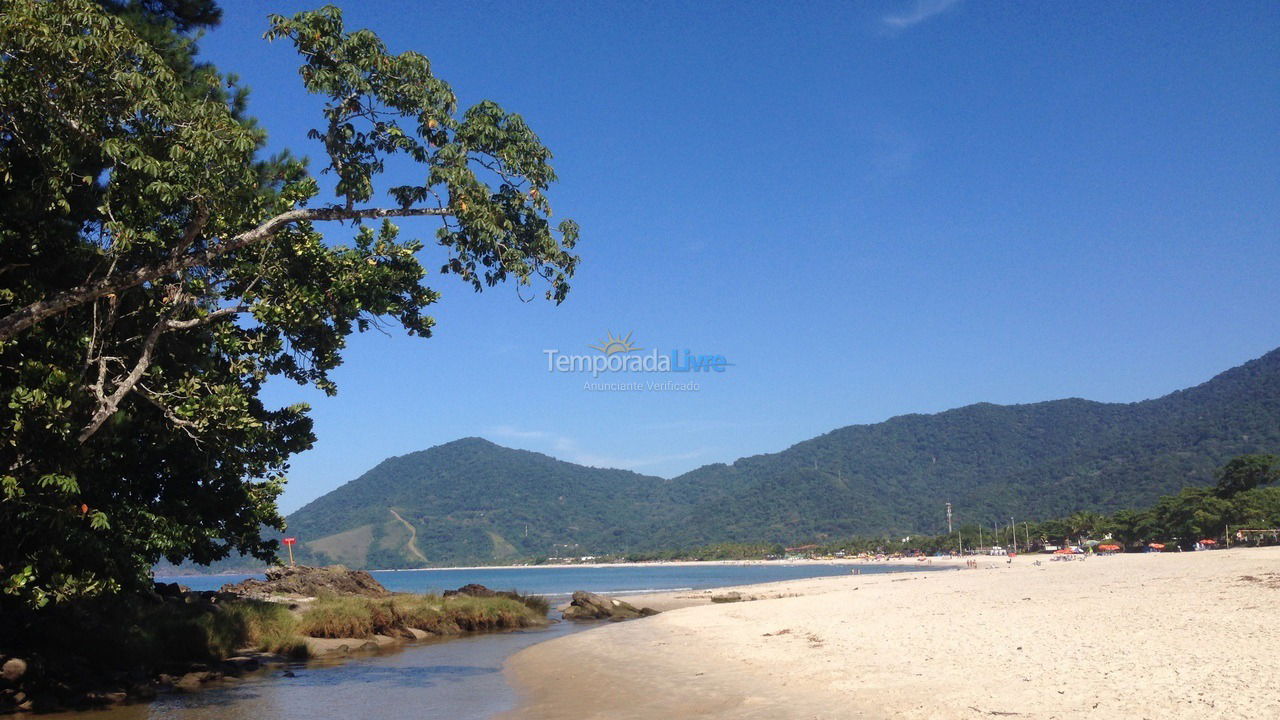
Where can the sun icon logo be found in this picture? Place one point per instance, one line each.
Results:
(612, 345)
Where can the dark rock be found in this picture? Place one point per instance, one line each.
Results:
(241, 664)
(307, 581)
(589, 606)
(472, 590)
(168, 590)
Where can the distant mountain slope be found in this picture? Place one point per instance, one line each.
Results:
(471, 500)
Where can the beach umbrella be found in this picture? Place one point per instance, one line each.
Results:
(1108, 548)
(1064, 551)
(1156, 546)
(1208, 542)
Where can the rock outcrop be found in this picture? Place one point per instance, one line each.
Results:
(590, 606)
(476, 590)
(304, 581)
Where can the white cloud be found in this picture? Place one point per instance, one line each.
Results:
(920, 11)
(506, 431)
(567, 448)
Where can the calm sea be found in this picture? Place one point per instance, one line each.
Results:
(557, 582)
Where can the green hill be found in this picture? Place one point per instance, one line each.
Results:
(473, 501)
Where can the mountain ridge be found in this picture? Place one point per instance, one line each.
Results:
(472, 500)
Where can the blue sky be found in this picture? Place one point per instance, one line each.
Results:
(869, 208)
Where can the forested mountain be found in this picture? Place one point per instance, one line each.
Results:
(473, 501)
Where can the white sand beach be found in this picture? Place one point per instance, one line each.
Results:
(1159, 636)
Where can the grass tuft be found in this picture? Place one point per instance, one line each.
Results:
(357, 617)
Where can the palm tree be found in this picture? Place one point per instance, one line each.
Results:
(1084, 523)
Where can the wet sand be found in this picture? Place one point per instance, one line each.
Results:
(1175, 635)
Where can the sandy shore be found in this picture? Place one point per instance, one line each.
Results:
(1177, 635)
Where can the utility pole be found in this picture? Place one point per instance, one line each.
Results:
(949, 531)
(1026, 530)
(1013, 527)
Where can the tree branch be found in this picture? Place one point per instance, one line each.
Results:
(216, 314)
(107, 405)
(183, 424)
(110, 404)
(27, 317)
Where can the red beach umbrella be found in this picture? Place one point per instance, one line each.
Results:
(1208, 542)
(1156, 546)
(1108, 548)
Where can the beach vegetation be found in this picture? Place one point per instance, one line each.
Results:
(89, 641)
(363, 617)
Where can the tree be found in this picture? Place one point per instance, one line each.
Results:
(1083, 524)
(1130, 527)
(156, 270)
(1191, 514)
(1257, 508)
(1247, 472)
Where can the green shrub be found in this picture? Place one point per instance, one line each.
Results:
(536, 603)
(360, 617)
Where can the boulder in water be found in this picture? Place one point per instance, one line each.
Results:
(590, 606)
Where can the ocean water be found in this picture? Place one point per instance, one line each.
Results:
(555, 582)
(458, 679)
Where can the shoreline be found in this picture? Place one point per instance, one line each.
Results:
(565, 566)
(1187, 635)
(655, 563)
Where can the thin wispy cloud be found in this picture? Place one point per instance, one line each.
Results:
(567, 448)
(506, 431)
(920, 11)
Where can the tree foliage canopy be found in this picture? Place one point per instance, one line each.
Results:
(156, 269)
(1246, 473)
